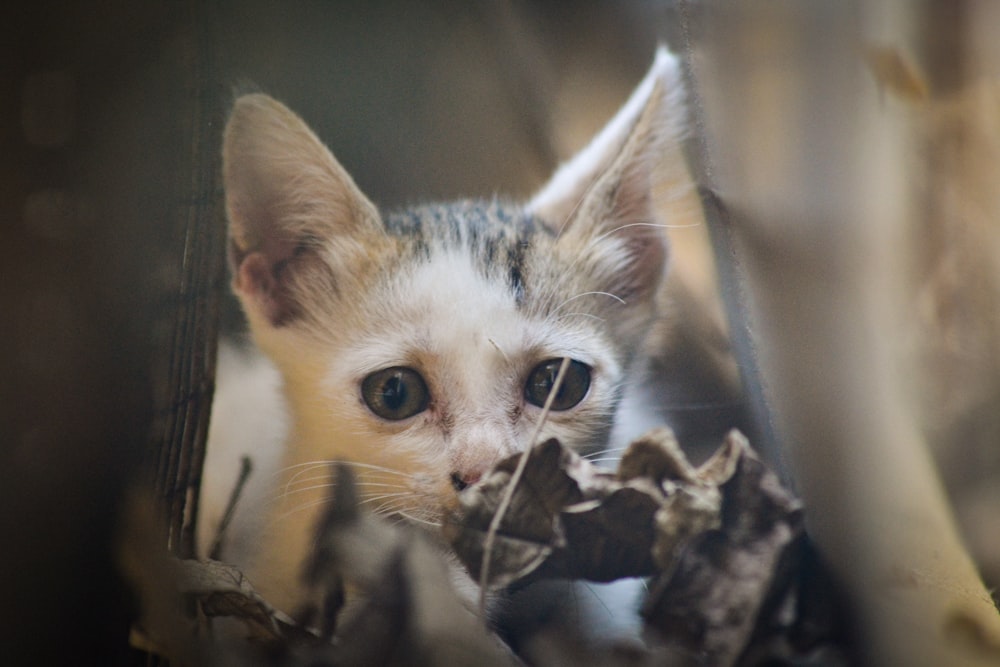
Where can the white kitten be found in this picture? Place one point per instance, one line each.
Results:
(420, 345)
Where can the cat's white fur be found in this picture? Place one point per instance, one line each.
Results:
(249, 419)
(437, 311)
(306, 247)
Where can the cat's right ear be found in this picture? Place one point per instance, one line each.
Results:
(292, 209)
(602, 202)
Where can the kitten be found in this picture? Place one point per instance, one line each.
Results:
(420, 345)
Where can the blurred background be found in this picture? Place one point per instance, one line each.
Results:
(114, 287)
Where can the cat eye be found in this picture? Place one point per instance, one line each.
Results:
(574, 386)
(395, 393)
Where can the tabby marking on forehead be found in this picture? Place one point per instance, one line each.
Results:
(495, 234)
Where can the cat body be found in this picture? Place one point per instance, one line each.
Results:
(421, 345)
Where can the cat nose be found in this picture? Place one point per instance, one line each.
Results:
(463, 480)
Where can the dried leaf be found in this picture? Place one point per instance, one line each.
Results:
(349, 542)
(409, 612)
(221, 590)
(530, 530)
(723, 538)
(711, 600)
(656, 456)
(687, 512)
(608, 539)
(723, 541)
(569, 519)
(162, 627)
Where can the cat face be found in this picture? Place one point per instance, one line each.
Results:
(421, 345)
(450, 350)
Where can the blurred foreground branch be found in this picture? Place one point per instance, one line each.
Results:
(817, 175)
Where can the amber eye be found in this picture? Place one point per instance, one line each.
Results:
(574, 385)
(395, 393)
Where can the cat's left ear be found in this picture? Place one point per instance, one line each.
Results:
(602, 200)
(298, 224)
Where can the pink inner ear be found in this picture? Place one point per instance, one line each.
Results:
(253, 276)
(260, 282)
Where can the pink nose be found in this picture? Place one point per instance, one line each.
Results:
(462, 480)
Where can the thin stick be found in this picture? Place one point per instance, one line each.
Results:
(246, 467)
(491, 534)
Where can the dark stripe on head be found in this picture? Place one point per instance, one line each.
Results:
(409, 224)
(515, 270)
(497, 235)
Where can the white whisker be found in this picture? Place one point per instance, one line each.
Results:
(659, 225)
(306, 469)
(370, 471)
(602, 452)
(496, 346)
(308, 464)
(410, 517)
(554, 314)
(303, 507)
(326, 463)
(315, 487)
(383, 485)
(610, 459)
(372, 466)
(391, 506)
(583, 294)
(572, 212)
(383, 496)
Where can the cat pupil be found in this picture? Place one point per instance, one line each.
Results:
(546, 380)
(574, 387)
(395, 393)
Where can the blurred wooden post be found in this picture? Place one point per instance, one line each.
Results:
(815, 175)
(181, 424)
(112, 247)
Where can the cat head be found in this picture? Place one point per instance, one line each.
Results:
(425, 341)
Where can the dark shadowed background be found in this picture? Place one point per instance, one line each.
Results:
(112, 279)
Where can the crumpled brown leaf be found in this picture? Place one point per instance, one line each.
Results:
(723, 543)
(179, 599)
(711, 595)
(409, 612)
(221, 590)
(721, 540)
(569, 519)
